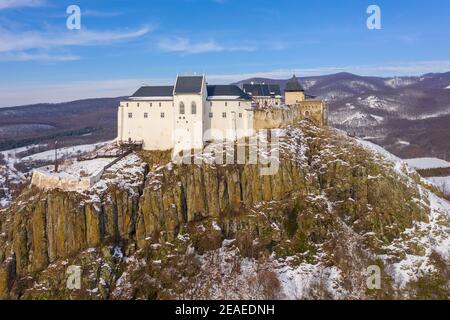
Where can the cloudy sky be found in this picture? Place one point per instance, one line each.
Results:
(123, 43)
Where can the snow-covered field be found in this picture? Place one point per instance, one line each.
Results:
(442, 183)
(77, 169)
(10, 175)
(65, 152)
(427, 163)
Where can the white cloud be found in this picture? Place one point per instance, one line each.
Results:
(186, 46)
(15, 41)
(101, 14)
(45, 46)
(24, 56)
(8, 4)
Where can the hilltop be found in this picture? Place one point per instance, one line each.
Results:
(152, 229)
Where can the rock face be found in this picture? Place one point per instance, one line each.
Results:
(150, 228)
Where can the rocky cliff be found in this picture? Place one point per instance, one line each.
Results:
(152, 229)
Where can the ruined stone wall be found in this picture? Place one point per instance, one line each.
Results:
(46, 181)
(314, 110)
(272, 118)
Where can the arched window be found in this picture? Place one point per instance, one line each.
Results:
(307, 113)
(193, 108)
(181, 108)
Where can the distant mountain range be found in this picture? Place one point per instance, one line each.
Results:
(76, 122)
(409, 116)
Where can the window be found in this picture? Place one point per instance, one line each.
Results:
(210, 103)
(239, 104)
(182, 108)
(193, 108)
(224, 114)
(151, 104)
(160, 104)
(162, 114)
(127, 104)
(240, 115)
(130, 115)
(226, 104)
(210, 114)
(145, 115)
(138, 104)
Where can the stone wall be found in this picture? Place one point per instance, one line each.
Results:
(313, 109)
(47, 180)
(272, 118)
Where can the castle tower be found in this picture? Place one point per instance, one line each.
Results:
(189, 100)
(294, 93)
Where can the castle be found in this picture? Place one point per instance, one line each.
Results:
(192, 112)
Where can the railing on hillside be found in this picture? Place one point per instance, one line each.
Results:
(102, 154)
(135, 144)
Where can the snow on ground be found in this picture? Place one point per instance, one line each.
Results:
(10, 175)
(66, 152)
(360, 119)
(400, 82)
(403, 142)
(296, 283)
(77, 169)
(375, 102)
(427, 163)
(442, 183)
(128, 173)
(378, 118)
(432, 236)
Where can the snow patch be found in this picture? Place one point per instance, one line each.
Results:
(427, 163)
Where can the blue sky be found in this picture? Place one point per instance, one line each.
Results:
(123, 44)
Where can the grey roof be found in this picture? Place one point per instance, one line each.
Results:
(189, 84)
(213, 90)
(156, 91)
(293, 85)
(262, 90)
(227, 90)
